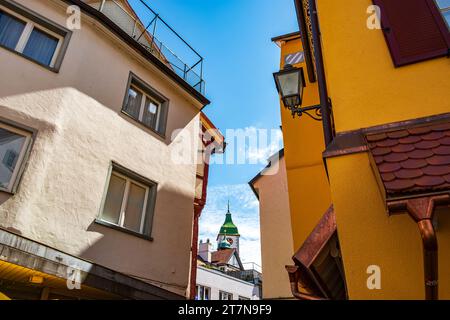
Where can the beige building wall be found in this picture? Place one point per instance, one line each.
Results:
(80, 130)
(276, 233)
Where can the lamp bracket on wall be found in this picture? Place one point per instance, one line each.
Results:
(317, 109)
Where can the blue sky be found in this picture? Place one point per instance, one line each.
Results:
(234, 38)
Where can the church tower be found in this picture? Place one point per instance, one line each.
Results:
(229, 235)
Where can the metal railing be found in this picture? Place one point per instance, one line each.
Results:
(145, 26)
(251, 273)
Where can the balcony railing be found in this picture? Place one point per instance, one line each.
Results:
(252, 273)
(139, 21)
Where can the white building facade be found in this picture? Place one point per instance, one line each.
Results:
(215, 285)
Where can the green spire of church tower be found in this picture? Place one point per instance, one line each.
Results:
(229, 228)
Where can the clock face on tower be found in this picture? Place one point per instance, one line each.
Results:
(230, 240)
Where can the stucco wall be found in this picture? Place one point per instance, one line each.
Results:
(276, 233)
(366, 89)
(80, 131)
(368, 236)
(218, 281)
(363, 83)
(309, 193)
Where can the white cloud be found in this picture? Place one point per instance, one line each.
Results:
(252, 145)
(245, 212)
(261, 152)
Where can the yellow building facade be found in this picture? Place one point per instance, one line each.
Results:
(387, 170)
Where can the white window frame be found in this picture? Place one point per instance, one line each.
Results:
(26, 33)
(146, 97)
(125, 199)
(205, 288)
(28, 136)
(228, 294)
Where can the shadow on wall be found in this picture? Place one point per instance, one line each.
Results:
(163, 261)
(178, 117)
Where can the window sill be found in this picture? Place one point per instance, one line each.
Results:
(52, 69)
(141, 124)
(130, 232)
(7, 191)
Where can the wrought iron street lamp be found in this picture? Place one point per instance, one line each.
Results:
(290, 83)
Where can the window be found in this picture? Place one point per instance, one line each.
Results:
(414, 30)
(145, 105)
(203, 293)
(444, 7)
(129, 202)
(14, 144)
(225, 296)
(243, 298)
(31, 36)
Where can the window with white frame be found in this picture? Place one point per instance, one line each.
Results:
(129, 202)
(225, 295)
(14, 144)
(23, 32)
(203, 293)
(145, 105)
(444, 7)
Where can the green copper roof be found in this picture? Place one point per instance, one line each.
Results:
(228, 227)
(224, 245)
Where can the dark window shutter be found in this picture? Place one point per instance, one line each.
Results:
(414, 30)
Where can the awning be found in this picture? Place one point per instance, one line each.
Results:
(318, 265)
(26, 258)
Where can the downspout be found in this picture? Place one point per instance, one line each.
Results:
(325, 104)
(194, 250)
(199, 205)
(294, 279)
(422, 210)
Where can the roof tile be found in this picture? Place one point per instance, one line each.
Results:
(379, 159)
(387, 176)
(439, 160)
(222, 256)
(396, 157)
(413, 164)
(399, 184)
(408, 173)
(376, 137)
(398, 134)
(436, 170)
(420, 154)
(445, 141)
(433, 136)
(441, 127)
(413, 160)
(429, 181)
(425, 145)
(442, 150)
(387, 143)
(403, 148)
(419, 130)
(389, 167)
(381, 151)
(410, 139)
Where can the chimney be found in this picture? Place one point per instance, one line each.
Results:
(205, 250)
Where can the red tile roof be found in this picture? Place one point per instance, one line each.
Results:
(222, 256)
(413, 160)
